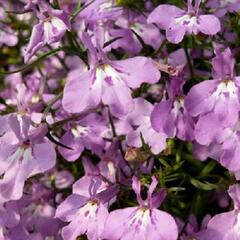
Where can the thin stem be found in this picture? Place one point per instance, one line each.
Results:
(59, 59)
(69, 119)
(49, 105)
(26, 67)
(112, 124)
(78, 10)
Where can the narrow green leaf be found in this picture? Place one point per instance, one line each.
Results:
(203, 185)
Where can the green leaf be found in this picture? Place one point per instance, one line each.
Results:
(203, 185)
(208, 168)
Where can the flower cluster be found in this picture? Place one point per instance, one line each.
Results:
(119, 120)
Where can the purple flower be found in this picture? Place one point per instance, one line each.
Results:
(85, 133)
(111, 168)
(178, 22)
(52, 26)
(108, 81)
(87, 215)
(170, 116)
(140, 119)
(128, 23)
(223, 6)
(191, 229)
(220, 144)
(37, 211)
(100, 10)
(9, 219)
(7, 36)
(225, 226)
(219, 96)
(24, 153)
(102, 171)
(144, 221)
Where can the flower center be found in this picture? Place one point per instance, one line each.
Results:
(106, 73)
(226, 87)
(141, 218)
(79, 131)
(187, 19)
(89, 210)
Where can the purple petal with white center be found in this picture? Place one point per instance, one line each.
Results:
(67, 210)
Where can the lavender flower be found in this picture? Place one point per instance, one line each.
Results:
(144, 221)
(213, 98)
(178, 22)
(27, 155)
(85, 133)
(52, 26)
(225, 226)
(140, 119)
(170, 116)
(87, 215)
(109, 82)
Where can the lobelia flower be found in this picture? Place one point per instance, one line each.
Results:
(140, 119)
(37, 211)
(113, 166)
(24, 153)
(125, 39)
(178, 22)
(144, 222)
(7, 35)
(81, 186)
(106, 170)
(220, 144)
(85, 133)
(99, 11)
(108, 81)
(216, 103)
(86, 214)
(217, 98)
(148, 32)
(191, 229)
(53, 23)
(128, 23)
(9, 218)
(225, 226)
(170, 116)
(223, 6)
(20, 232)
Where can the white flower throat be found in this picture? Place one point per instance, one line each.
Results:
(79, 131)
(141, 218)
(106, 73)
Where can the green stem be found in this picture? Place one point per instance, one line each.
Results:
(26, 67)
(49, 105)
